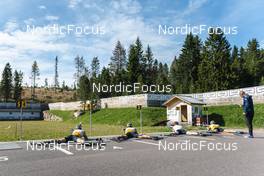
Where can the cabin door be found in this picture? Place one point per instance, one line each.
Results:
(184, 117)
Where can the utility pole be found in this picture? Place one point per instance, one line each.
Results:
(56, 76)
(207, 118)
(20, 105)
(21, 119)
(139, 107)
(91, 118)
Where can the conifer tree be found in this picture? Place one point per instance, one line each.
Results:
(6, 82)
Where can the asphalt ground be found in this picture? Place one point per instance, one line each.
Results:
(225, 155)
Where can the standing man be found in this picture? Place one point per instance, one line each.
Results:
(248, 111)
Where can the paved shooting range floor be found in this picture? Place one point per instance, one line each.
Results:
(140, 157)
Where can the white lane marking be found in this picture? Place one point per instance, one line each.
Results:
(63, 150)
(3, 158)
(205, 138)
(227, 137)
(117, 148)
(144, 142)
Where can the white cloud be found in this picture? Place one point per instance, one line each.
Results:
(39, 41)
(20, 48)
(193, 5)
(122, 22)
(261, 44)
(42, 7)
(29, 21)
(128, 6)
(51, 18)
(10, 25)
(196, 4)
(73, 3)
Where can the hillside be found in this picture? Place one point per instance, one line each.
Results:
(228, 116)
(112, 121)
(232, 115)
(48, 95)
(105, 122)
(117, 116)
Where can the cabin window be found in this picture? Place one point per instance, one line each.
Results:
(177, 108)
(32, 113)
(196, 110)
(10, 113)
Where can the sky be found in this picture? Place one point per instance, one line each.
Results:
(105, 22)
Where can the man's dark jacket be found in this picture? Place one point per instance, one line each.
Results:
(248, 106)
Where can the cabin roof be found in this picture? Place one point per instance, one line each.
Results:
(189, 100)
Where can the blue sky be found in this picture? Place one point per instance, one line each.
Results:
(122, 20)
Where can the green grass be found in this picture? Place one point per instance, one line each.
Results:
(105, 122)
(232, 116)
(112, 122)
(10, 130)
(117, 116)
(190, 128)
